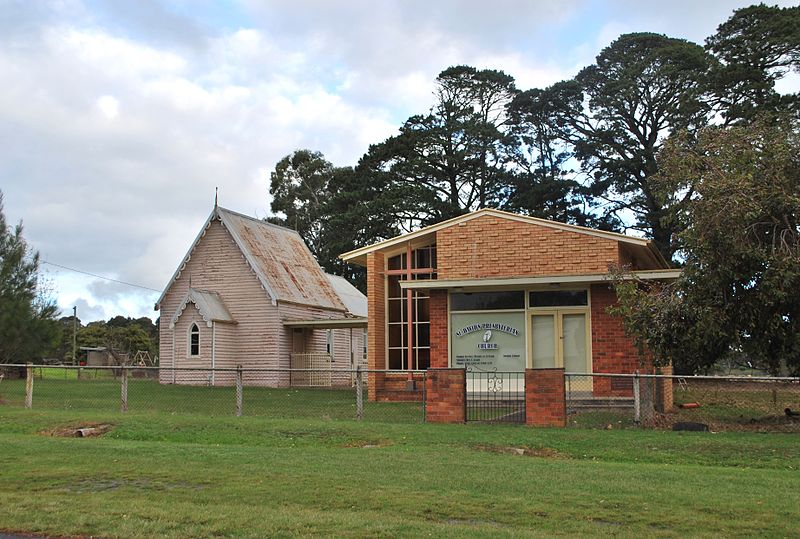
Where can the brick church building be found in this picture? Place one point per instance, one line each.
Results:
(492, 291)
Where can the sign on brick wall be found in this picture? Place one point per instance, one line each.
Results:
(488, 340)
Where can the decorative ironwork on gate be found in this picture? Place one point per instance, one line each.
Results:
(495, 397)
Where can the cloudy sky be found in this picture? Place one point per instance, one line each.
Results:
(118, 118)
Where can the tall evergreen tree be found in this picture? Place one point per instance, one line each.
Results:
(617, 114)
(544, 184)
(299, 189)
(456, 158)
(28, 328)
(757, 46)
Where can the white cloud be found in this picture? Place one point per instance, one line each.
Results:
(108, 106)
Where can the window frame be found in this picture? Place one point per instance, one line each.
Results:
(396, 268)
(194, 330)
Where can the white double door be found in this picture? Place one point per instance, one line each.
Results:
(559, 339)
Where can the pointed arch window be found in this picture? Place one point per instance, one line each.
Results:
(194, 340)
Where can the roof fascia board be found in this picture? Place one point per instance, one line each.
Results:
(525, 281)
(179, 311)
(187, 299)
(356, 253)
(359, 322)
(186, 258)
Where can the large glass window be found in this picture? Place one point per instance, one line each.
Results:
(486, 301)
(423, 266)
(559, 298)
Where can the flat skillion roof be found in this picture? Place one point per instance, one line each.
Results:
(517, 282)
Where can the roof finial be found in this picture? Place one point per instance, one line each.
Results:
(216, 196)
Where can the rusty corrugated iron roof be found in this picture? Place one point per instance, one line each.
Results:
(282, 261)
(278, 256)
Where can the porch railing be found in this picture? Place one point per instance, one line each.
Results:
(311, 370)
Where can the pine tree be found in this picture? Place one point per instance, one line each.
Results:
(27, 319)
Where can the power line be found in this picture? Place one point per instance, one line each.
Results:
(98, 276)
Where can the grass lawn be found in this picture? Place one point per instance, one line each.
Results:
(144, 395)
(179, 475)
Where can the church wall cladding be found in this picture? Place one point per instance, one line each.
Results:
(217, 264)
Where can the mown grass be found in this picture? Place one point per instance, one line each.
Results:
(146, 395)
(179, 475)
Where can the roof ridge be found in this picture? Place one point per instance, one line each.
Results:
(257, 220)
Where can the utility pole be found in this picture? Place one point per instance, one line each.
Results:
(74, 334)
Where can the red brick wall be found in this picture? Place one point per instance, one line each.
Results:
(612, 350)
(489, 246)
(439, 330)
(393, 387)
(446, 397)
(545, 398)
(376, 322)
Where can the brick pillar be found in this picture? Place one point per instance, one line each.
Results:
(376, 322)
(545, 398)
(439, 325)
(446, 396)
(664, 401)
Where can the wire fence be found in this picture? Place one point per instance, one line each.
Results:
(610, 401)
(274, 393)
(715, 403)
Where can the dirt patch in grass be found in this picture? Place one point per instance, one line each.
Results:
(14, 533)
(79, 430)
(97, 484)
(540, 452)
(368, 444)
(312, 434)
(472, 522)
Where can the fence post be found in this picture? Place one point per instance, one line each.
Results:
(29, 386)
(425, 397)
(124, 389)
(359, 394)
(647, 400)
(238, 391)
(637, 401)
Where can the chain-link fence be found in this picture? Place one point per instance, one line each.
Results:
(612, 401)
(275, 393)
(716, 403)
(735, 404)
(599, 401)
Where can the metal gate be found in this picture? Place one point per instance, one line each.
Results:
(495, 397)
